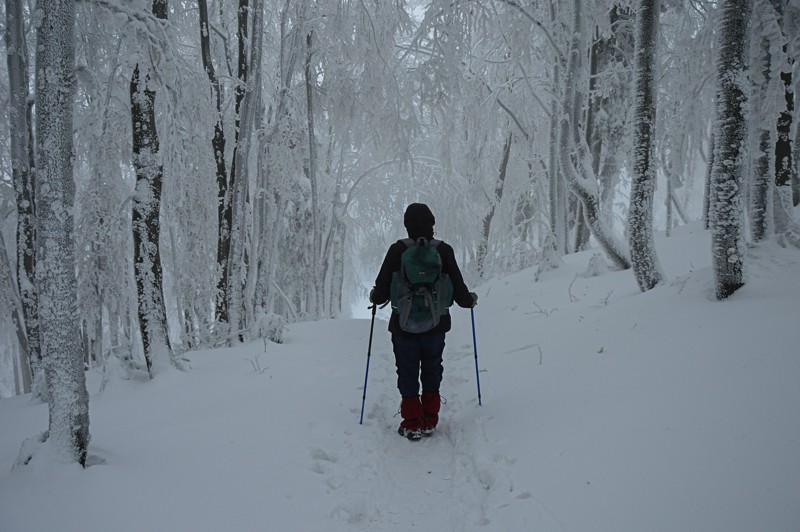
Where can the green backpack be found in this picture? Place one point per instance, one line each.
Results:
(420, 292)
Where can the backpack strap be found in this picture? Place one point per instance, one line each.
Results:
(410, 242)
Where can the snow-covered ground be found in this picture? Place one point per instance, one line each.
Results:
(604, 409)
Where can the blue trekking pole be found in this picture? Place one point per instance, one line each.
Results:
(475, 344)
(369, 353)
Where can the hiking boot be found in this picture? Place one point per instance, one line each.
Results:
(411, 426)
(412, 435)
(431, 403)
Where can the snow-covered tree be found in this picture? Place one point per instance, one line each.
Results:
(9, 299)
(644, 259)
(146, 211)
(247, 99)
(766, 32)
(23, 178)
(782, 207)
(218, 143)
(581, 180)
(730, 154)
(68, 434)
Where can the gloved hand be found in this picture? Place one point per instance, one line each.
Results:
(372, 296)
(474, 299)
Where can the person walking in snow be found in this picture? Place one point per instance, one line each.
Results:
(421, 277)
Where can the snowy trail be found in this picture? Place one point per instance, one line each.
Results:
(376, 480)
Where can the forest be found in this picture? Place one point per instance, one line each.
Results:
(177, 175)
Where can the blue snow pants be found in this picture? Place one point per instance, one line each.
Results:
(415, 353)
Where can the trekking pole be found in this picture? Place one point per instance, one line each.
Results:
(369, 353)
(475, 344)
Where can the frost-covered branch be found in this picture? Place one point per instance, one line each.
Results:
(585, 188)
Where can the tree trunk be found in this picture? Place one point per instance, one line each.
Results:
(728, 246)
(68, 432)
(585, 189)
(784, 165)
(582, 233)
(218, 148)
(22, 172)
(556, 194)
(232, 290)
(707, 213)
(760, 200)
(785, 177)
(644, 259)
(9, 299)
(146, 207)
(316, 235)
(796, 172)
(783, 155)
(678, 207)
(255, 109)
(272, 201)
(240, 187)
(337, 267)
(483, 246)
(668, 203)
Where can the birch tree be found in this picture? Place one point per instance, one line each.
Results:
(644, 260)
(727, 230)
(68, 433)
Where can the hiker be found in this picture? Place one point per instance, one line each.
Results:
(418, 327)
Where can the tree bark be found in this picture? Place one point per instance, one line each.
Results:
(760, 193)
(783, 155)
(556, 193)
(254, 103)
(245, 116)
(727, 238)
(146, 208)
(218, 147)
(707, 213)
(68, 403)
(316, 238)
(796, 172)
(22, 172)
(9, 299)
(644, 259)
(483, 246)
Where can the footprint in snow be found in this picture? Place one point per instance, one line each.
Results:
(321, 454)
(321, 457)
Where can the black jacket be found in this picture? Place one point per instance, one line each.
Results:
(391, 264)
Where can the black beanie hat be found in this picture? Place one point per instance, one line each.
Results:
(418, 214)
